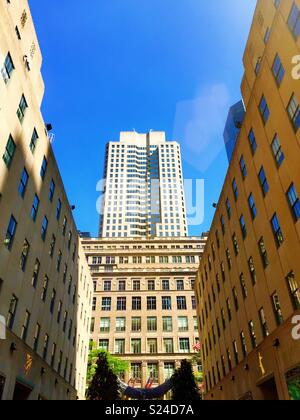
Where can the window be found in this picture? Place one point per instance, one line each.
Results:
(252, 206)
(252, 141)
(8, 68)
(35, 207)
(252, 334)
(180, 284)
(45, 347)
(120, 324)
(44, 168)
(243, 227)
(9, 152)
(121, 304)
(104, 325)
(166, 303)
(136, 303)
(263, 323)
(263, 252)
(277, 151)
(222, 221)
(152, 345)
(22, 109)
(294, 290)
(228, 208)
(183, 324)
(59, 258)
(263, 181)
(151, 303)
(136, 346)
(152, 371)
(235, 189)
(12, 312)
(243, 344)
(277, 309)
(106, 304)
(168, 345)
(107, 286)
(58, 209)
(151, 285)
(36, 337)
(136, 324)
(45, 288)
(252, 270)
(267, 35)
(136, 285)
(11, 232)
(23, 183)
(243, 286)
(104, 345)
(243, 167)
(294, 21)
(167, 324)
(44, 228)
(235, 244)
(278, 70)
(52, 302)
(294, 202)
(235, 299)
(120, 346)
(184, 345)
(51, 190)
(136, 371)
(152, 324)
(24, 255)
(166, 285)
(52, 246)
(264, 110)
(181, 303)
(35, 274)
(122, 286)
(277, 230)
(294, 112)
(33, 141)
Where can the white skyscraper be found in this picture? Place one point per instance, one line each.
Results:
(144, 192)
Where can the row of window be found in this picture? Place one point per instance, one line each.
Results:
(136, 303)
(189, 259)
(135, 285)
(184, 345)
(152, 324)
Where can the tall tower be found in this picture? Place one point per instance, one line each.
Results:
(144, 193)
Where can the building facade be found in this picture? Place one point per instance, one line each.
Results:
(248, 282)
(45, 284)
(144, 308)
(143, 175)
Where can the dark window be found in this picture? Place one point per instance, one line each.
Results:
(263, 181)
(252, 141)
(264, 110)
(294, 21)
(35, 207)
(277, 230)
(11, 232)
(22, 109)
(294, 202)
(23, 183)
(9, 152)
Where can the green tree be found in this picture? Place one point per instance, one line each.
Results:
(185, 388)
(104, 384)
(118, 367)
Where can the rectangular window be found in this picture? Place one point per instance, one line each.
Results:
(263, 181)
(294, 112)
(106, 304)
(9, 152)
(235, 189)
(136, 303)
(44, 168)
(12, 312)
(167, 324)
(243, 167)
(184, 345)
(180, 285)
(45, 288)
(294, 202)
(44, 228)
(136, 371)
(120, 346)
(11, 232)
(277, 151)
(152, 323)
(107, 286)
(7, 68)
(35, 208)
(252, 334)
(263, 323)
(24, 255)
(51, 190)
(264, 110)
(252, 141)
(277, 309)
(151, 303)
(263, 252)
(166, 285)
(122, 286)
(104, 345)
(121, 304)
(168, 345)
(278, 70)
(23, 183)
(294, 21)
(277, 230)
(104, 325)
(22, 109)
(152, 345)
(183, 324)
(181, 303)
(35, 275)
(252, 206)
(58, 210)
(243, 227)
(151, 285)
(120, 324)
(136, 346)
(136, 324)
(33, 141)
(166, 303)
(136, 285)
(294, 290)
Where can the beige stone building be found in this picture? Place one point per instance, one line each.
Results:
(144, 307)
(45, 285)
(249, 278)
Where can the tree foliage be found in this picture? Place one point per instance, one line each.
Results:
(118, 367)
(185, 388)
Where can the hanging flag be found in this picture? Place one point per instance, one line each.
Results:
(197, 347)
(149, 383)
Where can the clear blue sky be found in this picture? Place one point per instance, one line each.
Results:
(114, 65)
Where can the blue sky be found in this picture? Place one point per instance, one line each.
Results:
(118, 65)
